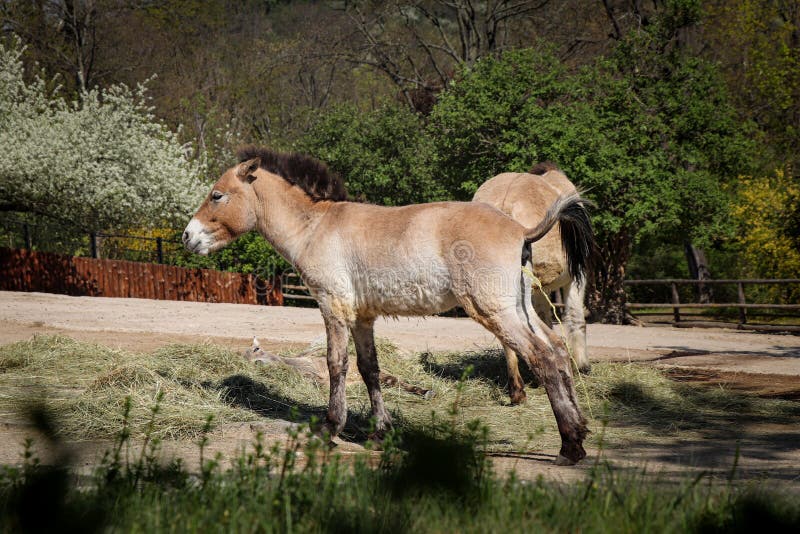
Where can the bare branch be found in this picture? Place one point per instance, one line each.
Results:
(428, 50)
(516, 10)
(447, 47)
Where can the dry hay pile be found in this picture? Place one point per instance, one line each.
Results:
(85, 386)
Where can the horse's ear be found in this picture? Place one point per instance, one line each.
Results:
(247, 168)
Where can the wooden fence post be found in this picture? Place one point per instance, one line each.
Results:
(676, 311)
(26, 231)
(93, 245)
(742, 309)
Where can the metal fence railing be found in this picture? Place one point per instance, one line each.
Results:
(99, 245)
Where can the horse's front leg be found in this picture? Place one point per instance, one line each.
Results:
(336, 330)
(364, 338)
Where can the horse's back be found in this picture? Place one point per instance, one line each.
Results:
(526, 198)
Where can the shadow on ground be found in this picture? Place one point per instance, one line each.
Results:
(489, 365)
(711, 428)
(243, 392)
(776, 351)
(686, 424)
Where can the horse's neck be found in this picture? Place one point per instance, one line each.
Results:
(287, 218)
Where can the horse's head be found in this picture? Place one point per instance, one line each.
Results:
(227, 212)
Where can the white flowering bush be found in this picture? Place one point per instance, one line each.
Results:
(101, 162)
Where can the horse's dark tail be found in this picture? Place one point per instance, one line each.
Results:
(577, 236)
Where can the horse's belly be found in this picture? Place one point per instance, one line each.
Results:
(420, 304)
(406, 292)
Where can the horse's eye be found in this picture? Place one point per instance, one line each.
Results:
(216, 195)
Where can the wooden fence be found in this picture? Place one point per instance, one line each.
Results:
(296, 290)
(741, 303)
(25, 270)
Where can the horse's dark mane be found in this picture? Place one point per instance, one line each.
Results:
(543, 167)
(307, 173)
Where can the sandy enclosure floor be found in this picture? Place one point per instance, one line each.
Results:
(140, 323)
(766, 364)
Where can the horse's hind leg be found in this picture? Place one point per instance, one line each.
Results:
(575, 323)
(541, 304)
(364, 339)
(516, 386)
(550, 363)
(562, 359)
(551, 366)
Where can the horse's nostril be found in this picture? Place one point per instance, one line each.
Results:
(185, 236)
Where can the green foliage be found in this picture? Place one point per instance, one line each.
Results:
(250, 253)
(767, 245)
(383, 154)
(757, 44)
(650, 153)
(489, 119)
(649, 132)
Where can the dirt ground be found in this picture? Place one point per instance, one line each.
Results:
(761, 364)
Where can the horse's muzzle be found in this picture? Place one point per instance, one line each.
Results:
(196, 238)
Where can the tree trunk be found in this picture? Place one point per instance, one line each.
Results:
(606, 294)
(698, 270)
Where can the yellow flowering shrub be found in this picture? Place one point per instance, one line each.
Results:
(135, 248)
(763, 210)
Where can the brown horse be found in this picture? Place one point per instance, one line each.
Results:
(361, 261)
(526, 197)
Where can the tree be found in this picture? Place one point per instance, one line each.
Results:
(101, 162)
(383, 154)
(757, 43)
(75, 39)
(491, 117)
(420, 44)
(649, 133)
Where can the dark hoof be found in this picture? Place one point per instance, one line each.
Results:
(586, 370)
(563, 460)
(376, 440)
(326, 432)
(570, 454)
(518, 397)
(378, 437)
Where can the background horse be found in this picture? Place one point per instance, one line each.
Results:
(361, 261)
(526, 199)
